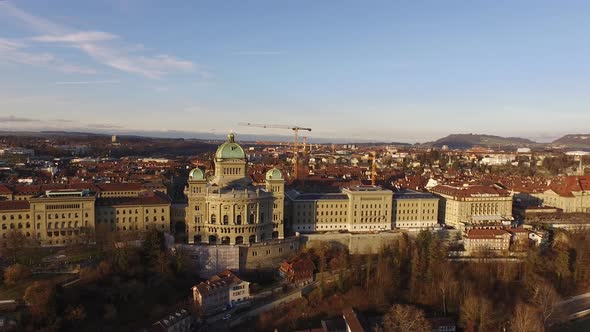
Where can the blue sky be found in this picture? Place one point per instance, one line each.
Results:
(387, 70)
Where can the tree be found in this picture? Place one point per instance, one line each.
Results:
(110, 312)
(76, 314)
(40, 296)
(526, 319)
(476, 313)
(16, 273)
(545, 298)
(405, 318)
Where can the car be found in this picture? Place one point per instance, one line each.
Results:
(226, 316)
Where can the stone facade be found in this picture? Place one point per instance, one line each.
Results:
(228, 209)
(56, 218)
(415, 210)
(474, 205)
(355, 209)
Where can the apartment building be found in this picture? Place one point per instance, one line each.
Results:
(487, 240)
(221, 291)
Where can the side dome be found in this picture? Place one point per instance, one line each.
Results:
(196, 174)
(274, 174)
(230, 149)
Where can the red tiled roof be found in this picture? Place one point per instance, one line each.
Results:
(352, 321)
(223, 279)
(486, 233)
(5, 190)
(14, 205)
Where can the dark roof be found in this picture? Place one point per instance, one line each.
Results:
(120, 186)
(14, 205)
(313, 197)
(470, 191)
(157, 198)
(412, 194)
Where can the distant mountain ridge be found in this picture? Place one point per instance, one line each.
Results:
(466, 141)
(574, 141)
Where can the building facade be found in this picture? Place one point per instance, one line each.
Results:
(77, 216)
(571, 195)
(487, 240)
(354, 209)
(413, 210)
(61, 217)
(228, 209)
(132, 215)
(221, 291)
(474, 205)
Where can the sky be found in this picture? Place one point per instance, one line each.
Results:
(408, 71)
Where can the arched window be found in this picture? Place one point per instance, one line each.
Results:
(251, 218)
(213, 218)
(239, 220)
(225, 219)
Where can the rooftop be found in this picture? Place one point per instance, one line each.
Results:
(14, 205)
(412, 194)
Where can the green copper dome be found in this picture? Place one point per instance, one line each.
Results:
(230, 149)
(274, 174)
(196, 174)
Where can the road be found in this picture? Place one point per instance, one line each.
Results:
(217, 324)
(573, 308)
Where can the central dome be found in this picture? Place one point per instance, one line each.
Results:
(230, 149)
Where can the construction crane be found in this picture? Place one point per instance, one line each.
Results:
(295, 130)
(374, 169)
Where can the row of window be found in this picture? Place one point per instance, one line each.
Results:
(13, 217)
(130, 211)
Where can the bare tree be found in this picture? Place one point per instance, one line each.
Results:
(405, 318)
(526, 319)
(545, 298)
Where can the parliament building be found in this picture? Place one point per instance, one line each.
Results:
(227, 208)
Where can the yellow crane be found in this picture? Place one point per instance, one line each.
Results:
(295, 130)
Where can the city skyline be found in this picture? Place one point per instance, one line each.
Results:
(386, 71)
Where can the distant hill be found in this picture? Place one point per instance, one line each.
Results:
(581, 141)
(466, 141)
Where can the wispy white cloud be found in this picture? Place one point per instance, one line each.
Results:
(77, 37)
(102, 47)
(12, 118)
(15, 51)
(87, 82)
(258, 53)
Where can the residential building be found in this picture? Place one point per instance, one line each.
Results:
(487, 240)
(470, 205)
(298, 271)
(354, 209)
(442, 324)
(220, 292)
(414, 210)
(179, 321)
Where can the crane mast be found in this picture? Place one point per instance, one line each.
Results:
(295, 130)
